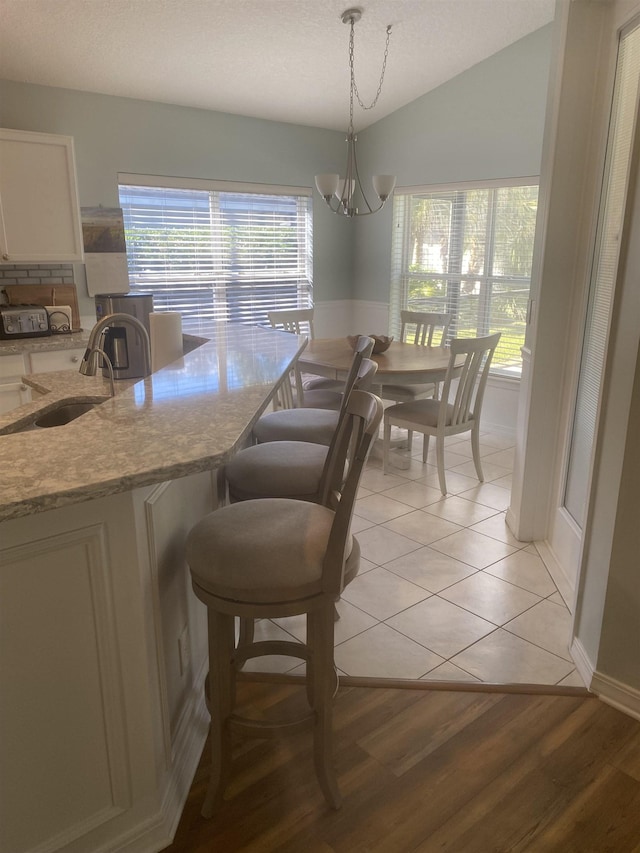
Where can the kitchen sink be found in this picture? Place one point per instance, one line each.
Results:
(63, 414)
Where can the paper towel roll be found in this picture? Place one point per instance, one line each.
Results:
(165, 332)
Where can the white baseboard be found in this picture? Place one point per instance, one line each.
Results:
(616, 694)
(582, 661)
(558, 574)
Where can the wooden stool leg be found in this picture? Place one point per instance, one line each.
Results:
(245, 637)
(323, 676)
(221, 697)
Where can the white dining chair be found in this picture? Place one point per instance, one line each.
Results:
(424, 329)
(299, 321)
(274, 558)
(469, 363)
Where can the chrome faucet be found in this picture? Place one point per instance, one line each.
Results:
(89, 363)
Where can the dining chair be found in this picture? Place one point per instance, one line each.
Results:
(424, 329)
(274, 558)
(296, 320)
(317, 425)
(300, 322)
(442, 418)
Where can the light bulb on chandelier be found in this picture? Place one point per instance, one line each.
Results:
(338, 191)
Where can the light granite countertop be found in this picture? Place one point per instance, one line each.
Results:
(47, 343)
(186, 418)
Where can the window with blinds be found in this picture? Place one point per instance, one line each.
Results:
(467, 250)
(217, 251)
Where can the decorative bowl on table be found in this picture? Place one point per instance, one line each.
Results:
(381, 342)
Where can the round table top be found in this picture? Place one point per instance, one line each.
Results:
(409, 361)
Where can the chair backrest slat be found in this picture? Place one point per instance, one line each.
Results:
(426, 324)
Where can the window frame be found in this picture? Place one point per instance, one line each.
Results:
(223, 273)
(401, 257)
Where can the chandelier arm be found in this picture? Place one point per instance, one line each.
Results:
(358, 181)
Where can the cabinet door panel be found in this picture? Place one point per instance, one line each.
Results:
(12, 367)
(62, 732)
(47, 362)
(39, 211)
(12, 395)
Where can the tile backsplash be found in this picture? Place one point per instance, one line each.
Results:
(35, 274)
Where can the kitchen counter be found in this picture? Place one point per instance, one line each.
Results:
(186, 418)
(104, 645)
(48, 343)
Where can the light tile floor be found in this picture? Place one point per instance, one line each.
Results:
(445, 591)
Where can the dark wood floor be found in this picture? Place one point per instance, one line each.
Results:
(428, 770)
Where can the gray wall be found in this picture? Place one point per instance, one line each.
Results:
(114, 135)
(485, 123)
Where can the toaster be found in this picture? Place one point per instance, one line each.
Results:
(23, 321)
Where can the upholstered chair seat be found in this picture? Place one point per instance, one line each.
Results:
(292, 538)
(280, 469)
(316, 426)
(320, 397)
(424, 329)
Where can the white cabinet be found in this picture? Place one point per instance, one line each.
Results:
(13, 392)
(102, 722)
(39, 210)
(63, 359)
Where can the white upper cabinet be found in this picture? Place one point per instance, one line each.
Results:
(39, 209)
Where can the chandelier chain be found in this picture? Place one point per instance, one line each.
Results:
(354, 86)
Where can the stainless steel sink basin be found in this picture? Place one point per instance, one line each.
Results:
(63, 414)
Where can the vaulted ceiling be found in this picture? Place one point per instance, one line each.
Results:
(273, 59)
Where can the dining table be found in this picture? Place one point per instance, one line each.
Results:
(401, 364)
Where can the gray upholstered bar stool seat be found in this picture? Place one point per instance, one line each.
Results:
(274, 558)
(317, 425)
(284, 469)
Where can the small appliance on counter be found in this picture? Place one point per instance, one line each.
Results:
(23, 321)
(60, 319)
(123, 343)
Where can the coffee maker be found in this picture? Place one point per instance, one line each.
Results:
(123, 344)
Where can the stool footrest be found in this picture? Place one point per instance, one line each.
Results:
(271, 647)
(269, 729)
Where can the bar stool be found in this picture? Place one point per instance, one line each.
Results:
(272, 558)
(317, 425)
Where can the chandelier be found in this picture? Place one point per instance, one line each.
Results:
(342, 193)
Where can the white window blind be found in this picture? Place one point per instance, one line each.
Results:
(604, 271)
(217, 254)
(467, 250)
